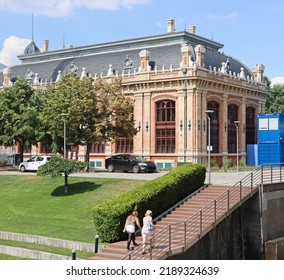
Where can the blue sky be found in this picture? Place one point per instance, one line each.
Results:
(251, 31)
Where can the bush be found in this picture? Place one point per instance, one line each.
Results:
(157, 195)
(3, 162)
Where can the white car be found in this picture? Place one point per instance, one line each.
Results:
(34, 163)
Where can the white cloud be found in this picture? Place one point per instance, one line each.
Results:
(277, 80)
(226, 17)
(13, 46)
(55, 8)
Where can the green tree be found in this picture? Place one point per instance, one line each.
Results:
(97, 111)
(275, 99)
(19, 115)
(59, 166)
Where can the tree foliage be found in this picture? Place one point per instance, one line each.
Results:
(275, 99)
(19, 115)
(97, 111)
(58, 166)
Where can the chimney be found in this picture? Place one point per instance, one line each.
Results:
(45, 45)
(192, 29)
(171, 25)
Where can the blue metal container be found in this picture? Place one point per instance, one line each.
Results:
(270, 138)
(270, 128)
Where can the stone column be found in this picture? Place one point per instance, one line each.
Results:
(180, 137)
(139, 124)
(199, 117)
(148, 125)
(224, 126)
(242, 134)
(190, 118)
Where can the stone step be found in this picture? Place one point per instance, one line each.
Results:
(180, 214)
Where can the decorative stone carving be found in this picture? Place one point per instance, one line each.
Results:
(187, 53)
(110, 71)
(29, 74)
(128, 63)
(84, 73)
(242, 73)
(200, 51)
(59, 76)
(36, 79)
(73, 68)
(144, 61)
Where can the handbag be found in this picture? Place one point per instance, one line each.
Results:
(130, 229)
(149, 227)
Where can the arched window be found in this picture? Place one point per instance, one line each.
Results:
(214, 126)
(250, 125)
(165, 126)
(232, 133)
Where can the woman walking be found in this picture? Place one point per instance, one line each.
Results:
(131, 222)
(148, 229)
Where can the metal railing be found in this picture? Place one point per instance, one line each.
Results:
(179, 237)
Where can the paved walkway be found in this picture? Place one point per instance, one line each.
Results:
(217, 178)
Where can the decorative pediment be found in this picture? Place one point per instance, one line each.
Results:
(128, 63)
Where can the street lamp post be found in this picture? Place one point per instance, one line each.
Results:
(208, 112)
(64, 115)
(237, 138)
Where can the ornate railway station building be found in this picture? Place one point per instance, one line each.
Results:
(173, 78)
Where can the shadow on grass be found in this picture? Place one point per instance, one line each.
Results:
(76, 188)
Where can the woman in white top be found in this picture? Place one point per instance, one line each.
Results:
(147, 229)
(131, 222)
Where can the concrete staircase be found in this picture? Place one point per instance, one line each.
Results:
(117, 250)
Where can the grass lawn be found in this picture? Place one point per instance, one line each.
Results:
(37, 205)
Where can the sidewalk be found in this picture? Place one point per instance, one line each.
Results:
(226, 178)
(217, 178)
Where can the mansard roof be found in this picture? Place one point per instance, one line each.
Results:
(31, 48)
(165, 52)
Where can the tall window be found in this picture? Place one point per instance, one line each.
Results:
(28, 149)
(165, 126)
(214, 126)
(98, 148)
(250, 125)
(232, 133)
(46, 148)
(123, 145)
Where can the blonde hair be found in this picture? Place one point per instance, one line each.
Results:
(148, 213)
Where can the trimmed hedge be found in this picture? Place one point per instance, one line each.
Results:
(158, 195)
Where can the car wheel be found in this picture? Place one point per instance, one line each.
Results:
(136, 169)
(110, 168)
(22, 168)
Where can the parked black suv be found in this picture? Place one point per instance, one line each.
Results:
(127, 162)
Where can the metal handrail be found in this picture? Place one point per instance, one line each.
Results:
(178, 237)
